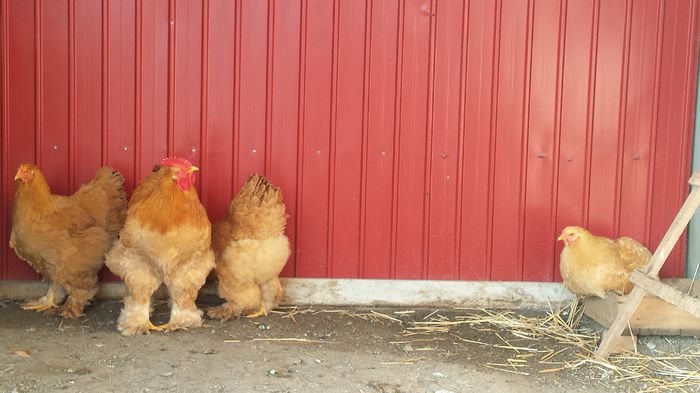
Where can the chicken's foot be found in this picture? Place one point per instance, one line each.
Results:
(43, 303)
(261, 312)
(157, 328)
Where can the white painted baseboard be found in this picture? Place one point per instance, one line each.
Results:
(346, 292)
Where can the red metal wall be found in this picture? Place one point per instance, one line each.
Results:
(413, 138)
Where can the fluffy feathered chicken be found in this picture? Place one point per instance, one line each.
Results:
(65, 238)
(166, 239)
(593, 265)
(251, 250)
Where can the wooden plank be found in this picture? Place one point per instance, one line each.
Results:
(652, 268)
(695, 179)
(666, 292)
(654, 316)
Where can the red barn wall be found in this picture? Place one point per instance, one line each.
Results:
(412, 138)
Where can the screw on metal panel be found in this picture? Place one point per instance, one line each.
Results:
(318, 151)
(126, 148)
(636, 158)
(569, 159)
(55, 147)
(255, 151)
(194, 149)
(383, 153)
(444, 154)
(540, 155)
(172, 21)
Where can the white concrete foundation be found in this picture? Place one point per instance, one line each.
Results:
(345, 292)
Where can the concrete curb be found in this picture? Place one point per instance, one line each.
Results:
(339, 292)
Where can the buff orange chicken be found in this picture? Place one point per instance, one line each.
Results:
(65, 238)
(251, 250)
(593, 265)
(166, 240)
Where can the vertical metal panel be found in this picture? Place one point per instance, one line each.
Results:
(4, 102)
(412, 118)
(543, 138)
(511, 96)
(606, 134)
(315, 120)
(87, 93)
(435, 139)
(153, 84)
(284, 127)
(346, 149)
(121, 88)
(381, 76)
(444, 127)
(218, 158)
(252, 59)
(20, 112)
(475, 190)
(576, 130)
(188, 80)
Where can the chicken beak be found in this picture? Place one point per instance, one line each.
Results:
(18, 175)
(193, 169)
(561, 237)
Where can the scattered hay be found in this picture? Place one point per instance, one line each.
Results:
(405, 361)
(284, 339)
(527, 338)
(550, 344)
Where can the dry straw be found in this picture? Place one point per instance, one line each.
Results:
(556, 343)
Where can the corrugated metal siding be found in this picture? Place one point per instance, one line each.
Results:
(413, 138)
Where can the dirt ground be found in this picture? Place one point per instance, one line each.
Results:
(333, 350)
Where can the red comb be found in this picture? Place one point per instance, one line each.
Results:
(176, 161)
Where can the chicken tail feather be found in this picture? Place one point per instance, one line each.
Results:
(104, 198)
(258, 210)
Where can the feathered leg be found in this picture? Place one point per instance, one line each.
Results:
(272, 294)
(135, 316)
(239, 297)
(140, 282)
(78, 298)
(183, 285)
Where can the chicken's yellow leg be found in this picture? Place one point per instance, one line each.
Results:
(261, 312)
(43, 303)
(159, 328)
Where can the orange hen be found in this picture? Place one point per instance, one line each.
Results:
(166, 239)
(65, 238)
(251, 250)
(593, 265)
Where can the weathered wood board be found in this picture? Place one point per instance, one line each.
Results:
(654, 316)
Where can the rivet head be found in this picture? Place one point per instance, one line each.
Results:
(444, 154)
(383, 153)
(126, 148)
(255, 151)
(636, 158)
(318, 151)
(194, 149)
(55, 147)
(569, 158)
(540, 155)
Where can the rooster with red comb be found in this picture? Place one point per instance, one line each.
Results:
(166, 240)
